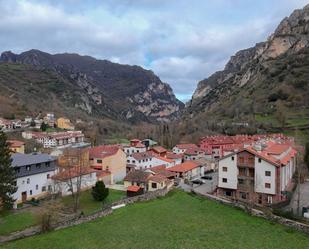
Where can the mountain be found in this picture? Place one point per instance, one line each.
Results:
(264, 87)
(98, 87)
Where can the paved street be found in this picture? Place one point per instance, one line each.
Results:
(209, 186)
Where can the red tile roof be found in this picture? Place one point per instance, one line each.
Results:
(171, 155)
(133, 188)
(72, 173)
(164, 159)
(184, 167)
(186, 146)
(158, 178)
(159, 149)
(15, 143)
(103, 151)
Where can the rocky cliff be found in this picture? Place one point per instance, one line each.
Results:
(260, 80)
(127, 92)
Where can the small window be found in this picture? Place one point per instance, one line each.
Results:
(137, 151)
(47, 176)
(224, 179)
(38, 165)
(15, 183)
(241, 181)
(28, 180)
(36, 187)
(28, 168)
(267, 185)
(99, 161)
(224, 169)
(17, 170)
(260, 160)
(107, 168)
(49, 188)
(30, 192)
(43, 189)
(128, 161)
(267, 173)
(233, 158)
(243, 195)
(47, 164)
(154, 185)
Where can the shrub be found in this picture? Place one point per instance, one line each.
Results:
(99, 191)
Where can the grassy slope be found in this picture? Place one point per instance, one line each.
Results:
(179, 221)
(11, 222)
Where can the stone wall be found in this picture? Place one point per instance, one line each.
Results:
(82, 219)
(259, 213)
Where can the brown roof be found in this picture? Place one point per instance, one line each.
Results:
(72, 172)
(142, 155)
(161, 169)
(133, 188)
(186, 146)
(158, 178)
(159, 149)
(137, 176)
(174, 156)
(184, 167)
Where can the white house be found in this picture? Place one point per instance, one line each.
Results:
(135, 146)
(33, 175)
(182, 148)
(260, 173)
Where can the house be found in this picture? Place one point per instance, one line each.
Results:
(162, 170)
(260, 174)
(16, 146)
(135, 146)
(56, 139)
(72, 177)
(6, 125)
(146, 180)
(33, 175)
(159, 150)
(188, 170)
(194, 154)
(178, 158)
(65, 123)
(181, 148)
(148, 159)
(149, 143)
(109, 158)
(134, 190)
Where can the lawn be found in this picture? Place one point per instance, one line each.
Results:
(11, 222)
(177, 221)
(88, 205)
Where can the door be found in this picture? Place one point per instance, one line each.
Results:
(24, 196)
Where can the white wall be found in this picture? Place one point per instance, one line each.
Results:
(231, 174)
(36, 183)
(261, 179)
(130, 150)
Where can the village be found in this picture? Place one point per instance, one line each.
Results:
(255, 169)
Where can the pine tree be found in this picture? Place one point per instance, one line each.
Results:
(99, 191)
(7, 174)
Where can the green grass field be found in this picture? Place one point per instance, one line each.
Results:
(177, 221)
(88, 205)
(11, 222)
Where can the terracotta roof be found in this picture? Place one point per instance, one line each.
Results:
(140, 145)
(133, 188)
(137, 176)
(278, 149)
(184, 167)
(72, 172)
(158, 178)
(15, 143)
(164, 159)
(103, 151)
(158, 168)
(159, 149)
(171, 155)
(142, 155)
(193, 151)
(186, 146)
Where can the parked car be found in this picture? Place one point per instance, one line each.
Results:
(209, 178)
(197, 181)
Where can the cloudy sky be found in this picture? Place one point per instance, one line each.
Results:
(182, 41)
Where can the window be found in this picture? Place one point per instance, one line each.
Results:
(267, 173)
(15, 183)
(243, 195)
(107, 168)
(260, 160)
(267, 185)
(49, 188)
(233, 158)
(47, 164)
(241, 181)
(36, 187)
(269, 199)
(154, 185)
(99, 161)
(47, 176)
(30, 192)
(137, 151)
(224, 179)
(128, 161)
(17, 170)
(224, 169)
(28, 168)
(38, 165)
(28, 180)
(43, 189)
(133, 161)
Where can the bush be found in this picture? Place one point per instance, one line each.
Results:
(99, 191)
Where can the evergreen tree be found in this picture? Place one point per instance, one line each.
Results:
(7, 174)
(99, 191)
(44, 126)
